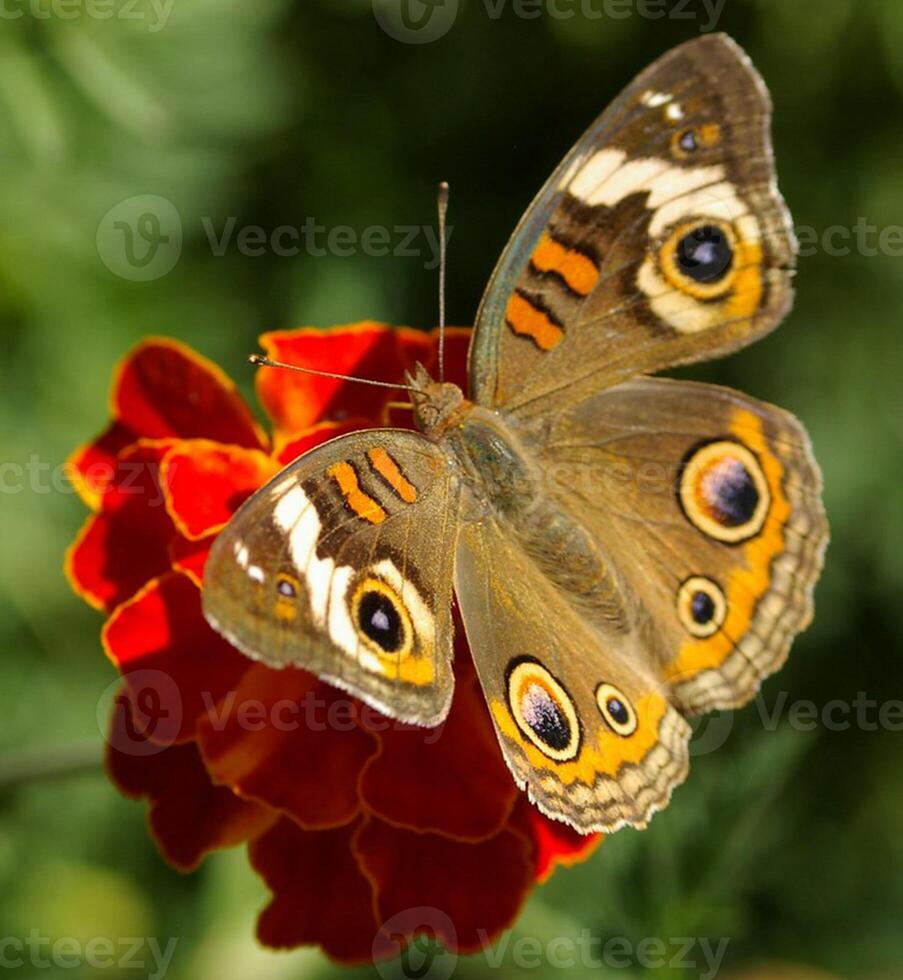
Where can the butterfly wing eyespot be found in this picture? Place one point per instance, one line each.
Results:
(543, 710)
(288, 589)
(617, 710)
(688, 141)
(381, 619)
(700, 258)
(701, 606)
(723, 491)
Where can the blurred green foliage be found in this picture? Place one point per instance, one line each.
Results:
(785, 841)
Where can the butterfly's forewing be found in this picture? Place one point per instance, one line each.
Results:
(342, 565)
(661, 239)
(710, 502)
(584, 723)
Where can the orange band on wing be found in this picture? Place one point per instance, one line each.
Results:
(578, 271)
(362, 505)
(751, 579)
(390, 471)
(529, 321)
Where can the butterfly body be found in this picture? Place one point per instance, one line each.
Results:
(626, 551)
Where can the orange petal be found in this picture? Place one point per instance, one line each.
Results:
(190, 557)
(316, 435)
(556, 844)
(477, 889)
(370, 350)
(176, 668)
(457, 345)
(290, 741)
(165, 388)
(320, 896)
(189, 816)
(91, 467)
(126, 544)
(204, 483)
(463, 788)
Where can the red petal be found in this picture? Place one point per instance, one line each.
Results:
(464, 893)
(126, 545)
(320, 896)
(189, 816)
(316, 435)
(457, 345)
(557, 844)
(292, 742)
(463, 788)
(190, 557)
(91, 467)
(175, 666)
(369, 350)
(206, 482)
(164, 388)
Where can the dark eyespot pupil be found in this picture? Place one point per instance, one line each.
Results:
(618, 711)
(731, 493)
(546, 718)
(704, 254)
(688, 141)
(702, 607)
(284, 587)
(379, 619)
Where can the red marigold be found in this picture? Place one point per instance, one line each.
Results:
(364, 830)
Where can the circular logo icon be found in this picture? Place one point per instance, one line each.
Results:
(142, 714)
(711, 732)
(415, 21)
(414, 936)
(140, 239)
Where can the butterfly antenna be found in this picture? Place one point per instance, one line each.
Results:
(262, 361)
(442, 206)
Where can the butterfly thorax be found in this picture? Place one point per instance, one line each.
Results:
(503, 483)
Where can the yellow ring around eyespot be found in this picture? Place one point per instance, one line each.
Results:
(706, 456)
(527, 673)
(604, 692)
(694, 584)
(407, 629)
(667, 258)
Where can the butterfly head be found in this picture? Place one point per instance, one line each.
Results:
(436, 403)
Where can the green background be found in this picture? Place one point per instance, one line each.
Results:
(785, 841)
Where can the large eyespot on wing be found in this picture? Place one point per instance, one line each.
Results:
(592, 739)
(342, 565)
(661, 239)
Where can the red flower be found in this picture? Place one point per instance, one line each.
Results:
(364, 830)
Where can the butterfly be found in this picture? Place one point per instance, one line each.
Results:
(626, 551)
